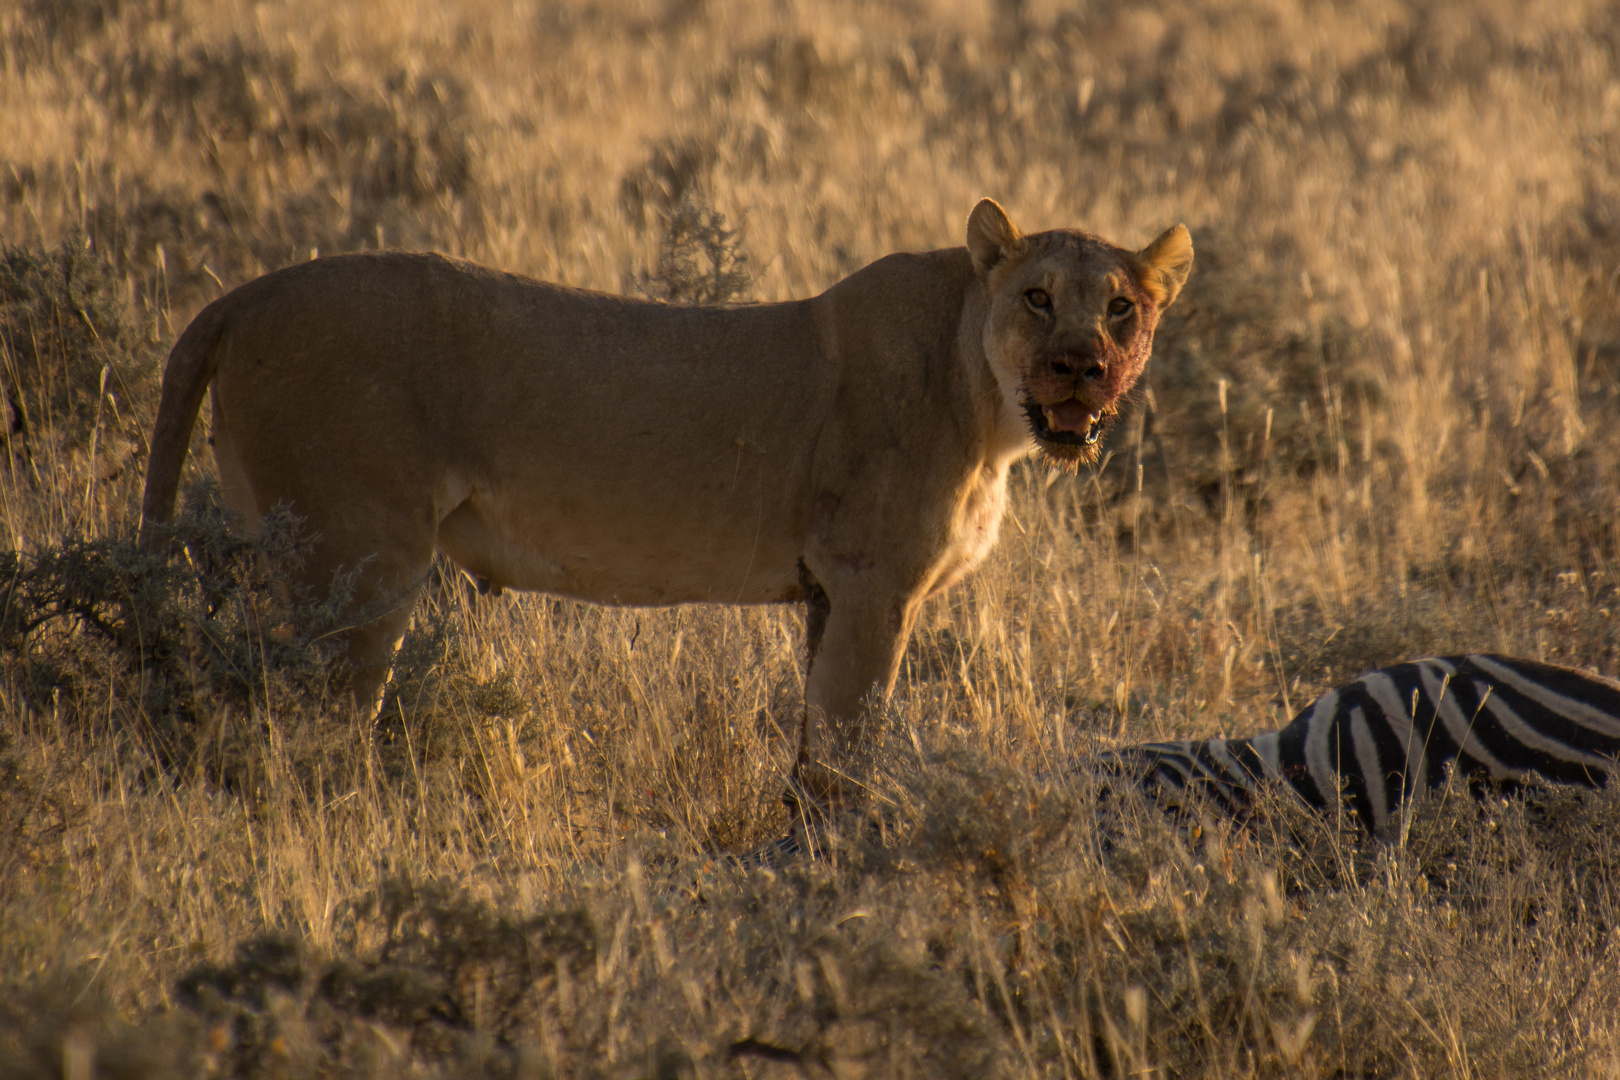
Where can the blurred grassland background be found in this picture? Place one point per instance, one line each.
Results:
(1383, 421)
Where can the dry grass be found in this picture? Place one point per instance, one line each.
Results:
(1384, 421)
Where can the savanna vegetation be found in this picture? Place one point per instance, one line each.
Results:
(1383, 421)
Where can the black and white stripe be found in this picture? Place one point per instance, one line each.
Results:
(1398, 732)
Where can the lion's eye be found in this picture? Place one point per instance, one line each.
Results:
(1120, 307)
(1039, 299)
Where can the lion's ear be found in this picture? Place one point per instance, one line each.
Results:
(1165, 264)
(991, 236)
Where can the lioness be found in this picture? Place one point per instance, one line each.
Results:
(849, 450)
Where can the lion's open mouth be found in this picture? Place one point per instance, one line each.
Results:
(1069, 422)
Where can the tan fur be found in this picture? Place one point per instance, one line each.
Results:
(853, 446)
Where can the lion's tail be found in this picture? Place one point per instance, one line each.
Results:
(191, 367)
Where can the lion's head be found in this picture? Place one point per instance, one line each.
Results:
(1071, 322)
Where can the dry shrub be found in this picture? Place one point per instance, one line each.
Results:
(435, 691)
(1247, 365)
(406, 139)
(700, 258)
(377, 162)
(424, 975)
(74, 363)
(69, 1029)
(987, 819)
(1591, 243)
(177, 637)
(63, 25)
(450, 977)
(1332, 647)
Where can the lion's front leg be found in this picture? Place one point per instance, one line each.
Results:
(863, 634)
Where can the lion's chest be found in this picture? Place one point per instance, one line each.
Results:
(975, 526)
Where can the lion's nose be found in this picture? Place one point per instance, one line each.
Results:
(1089, 369)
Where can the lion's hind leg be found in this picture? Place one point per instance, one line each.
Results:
(385, 554)
(372, 558)
(374, 544)
(235, 486)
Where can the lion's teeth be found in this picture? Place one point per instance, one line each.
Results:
(1051, 418)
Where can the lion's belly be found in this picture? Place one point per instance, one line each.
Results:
(611, 554)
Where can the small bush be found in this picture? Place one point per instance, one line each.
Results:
(1244, 364)
(423, 962)
(177, 638)
(69, 1029)
(700, 259)
(72, 359)
(433, 690)
(988, 819)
